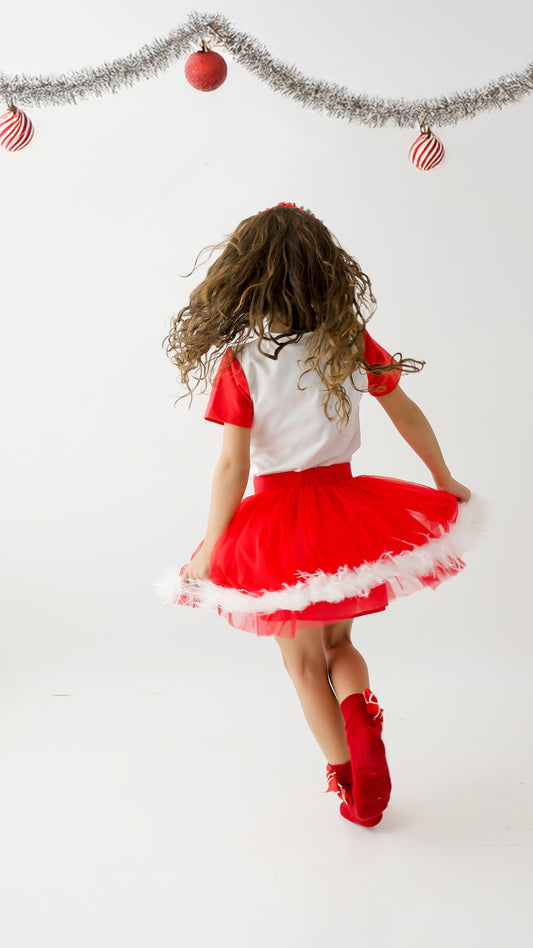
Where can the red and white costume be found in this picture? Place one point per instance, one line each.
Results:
(314, 544)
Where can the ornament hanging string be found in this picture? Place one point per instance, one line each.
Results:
(216, 30)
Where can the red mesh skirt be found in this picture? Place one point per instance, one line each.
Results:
(313, 547)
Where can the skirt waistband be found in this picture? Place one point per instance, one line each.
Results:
(313, 475)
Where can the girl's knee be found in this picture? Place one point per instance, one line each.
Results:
(303, 658)
(303, 669)
(338, 633)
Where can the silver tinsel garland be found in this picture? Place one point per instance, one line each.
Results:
(336, 100)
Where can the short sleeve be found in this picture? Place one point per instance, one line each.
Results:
(230, 400)
(376, 354)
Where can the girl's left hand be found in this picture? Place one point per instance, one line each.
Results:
(454, 487)
(198, 568)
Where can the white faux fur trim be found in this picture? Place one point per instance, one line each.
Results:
(401, 571)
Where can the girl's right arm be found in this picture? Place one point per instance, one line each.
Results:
(414, 427)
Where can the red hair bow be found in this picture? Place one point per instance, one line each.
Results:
(285, 204)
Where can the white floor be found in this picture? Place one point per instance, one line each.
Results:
(184, 807)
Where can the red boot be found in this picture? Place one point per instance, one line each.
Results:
(371, 786)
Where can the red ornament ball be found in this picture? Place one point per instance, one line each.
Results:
(16, 130)
(206, 70)
(427, 151)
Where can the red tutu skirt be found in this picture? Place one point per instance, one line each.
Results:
(312, 547)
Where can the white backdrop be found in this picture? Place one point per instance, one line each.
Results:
(104, 481)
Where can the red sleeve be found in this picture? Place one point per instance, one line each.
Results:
(375, 354)
(230, 400)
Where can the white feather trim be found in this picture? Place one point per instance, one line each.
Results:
(401, 571)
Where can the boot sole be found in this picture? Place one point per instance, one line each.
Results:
(371, 780)
(349, 814)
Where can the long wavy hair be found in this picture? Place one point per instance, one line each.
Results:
(282, 265)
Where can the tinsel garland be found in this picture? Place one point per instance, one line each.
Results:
(215, 29)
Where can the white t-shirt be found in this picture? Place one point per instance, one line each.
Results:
(289, 429)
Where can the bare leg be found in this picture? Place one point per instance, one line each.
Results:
(306, 664)
(347, 668)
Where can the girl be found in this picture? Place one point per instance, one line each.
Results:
(314, 546)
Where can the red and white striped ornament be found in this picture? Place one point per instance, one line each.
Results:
(427, 151)
(16, 130)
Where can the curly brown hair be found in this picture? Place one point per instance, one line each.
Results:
(280, 267)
